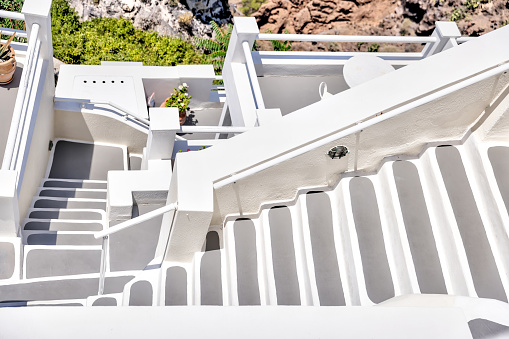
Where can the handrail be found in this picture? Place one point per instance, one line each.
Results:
(213, 129)
(465, 39)
(12, 15)
(109, 103)
(11, 31)
(504, 67)
(7, 162)
(122, 226)
(345, 38)
(135, 221)
(251, 72)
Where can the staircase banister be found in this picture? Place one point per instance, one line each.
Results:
(136, 221)
(109, 103)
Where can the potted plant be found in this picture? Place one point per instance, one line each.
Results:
(7, 61)
(180, 99)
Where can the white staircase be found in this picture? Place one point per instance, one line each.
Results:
(432, 225)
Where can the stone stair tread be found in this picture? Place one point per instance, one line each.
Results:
(86, 184)
(47, 261)
(59, 288)
(71, 203)
(59, 238)
(61, 225)
(82, 160)
(69, 213)
(82, 193)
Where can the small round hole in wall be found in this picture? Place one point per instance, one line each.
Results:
(84, 81)
(104, 82)
(112, 81)
(337, 152)
(93, 81)
(122, 81)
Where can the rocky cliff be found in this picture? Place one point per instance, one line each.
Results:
(168, 17)
(379, 17)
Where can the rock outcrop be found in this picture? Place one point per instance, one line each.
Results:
(167, 17)
(378, 17)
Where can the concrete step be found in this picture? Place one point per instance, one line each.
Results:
(71, 203)
(68, 183)
(47, 261)
(59, 289)
(49, 238)
(31, 224)
(81, 160)
(72, 193)
(67, 214)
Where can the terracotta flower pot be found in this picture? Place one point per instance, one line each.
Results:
(182, 114)
(7, 68)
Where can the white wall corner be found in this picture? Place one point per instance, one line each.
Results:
(9, 212)
(164, 124)
(143, 187)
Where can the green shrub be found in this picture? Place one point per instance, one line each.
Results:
(457, 14)
(91, 42)
(250, 6)
(217, 47)
(373, 47)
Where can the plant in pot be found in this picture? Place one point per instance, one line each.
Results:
(180, 99)
(7, 61)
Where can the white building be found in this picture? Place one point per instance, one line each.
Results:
(402, 233)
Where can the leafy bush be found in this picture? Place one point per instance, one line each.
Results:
(91, 42)
(457, 14)
(218, 46)
(373, 47)
(250, 6)
(281, 45)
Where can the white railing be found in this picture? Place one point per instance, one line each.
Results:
(19, 133)
(104, 234)
(13, 16)
(213, 129)
(347, 38)
(124, 112)
(255, 168)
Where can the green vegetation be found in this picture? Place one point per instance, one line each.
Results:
(250, 6)
(218, 46)
(457, 14)
(473, 4)
(281, 46)
(93, 41)
(373, 47)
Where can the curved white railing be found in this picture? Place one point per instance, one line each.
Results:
(18, 127)
(126, 112)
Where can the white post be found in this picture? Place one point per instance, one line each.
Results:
(446, 32)
(9, 212)
(38, 12)
(164, 124)
(239, 94)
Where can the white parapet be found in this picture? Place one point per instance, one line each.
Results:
(9, 213)
(164, 124)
